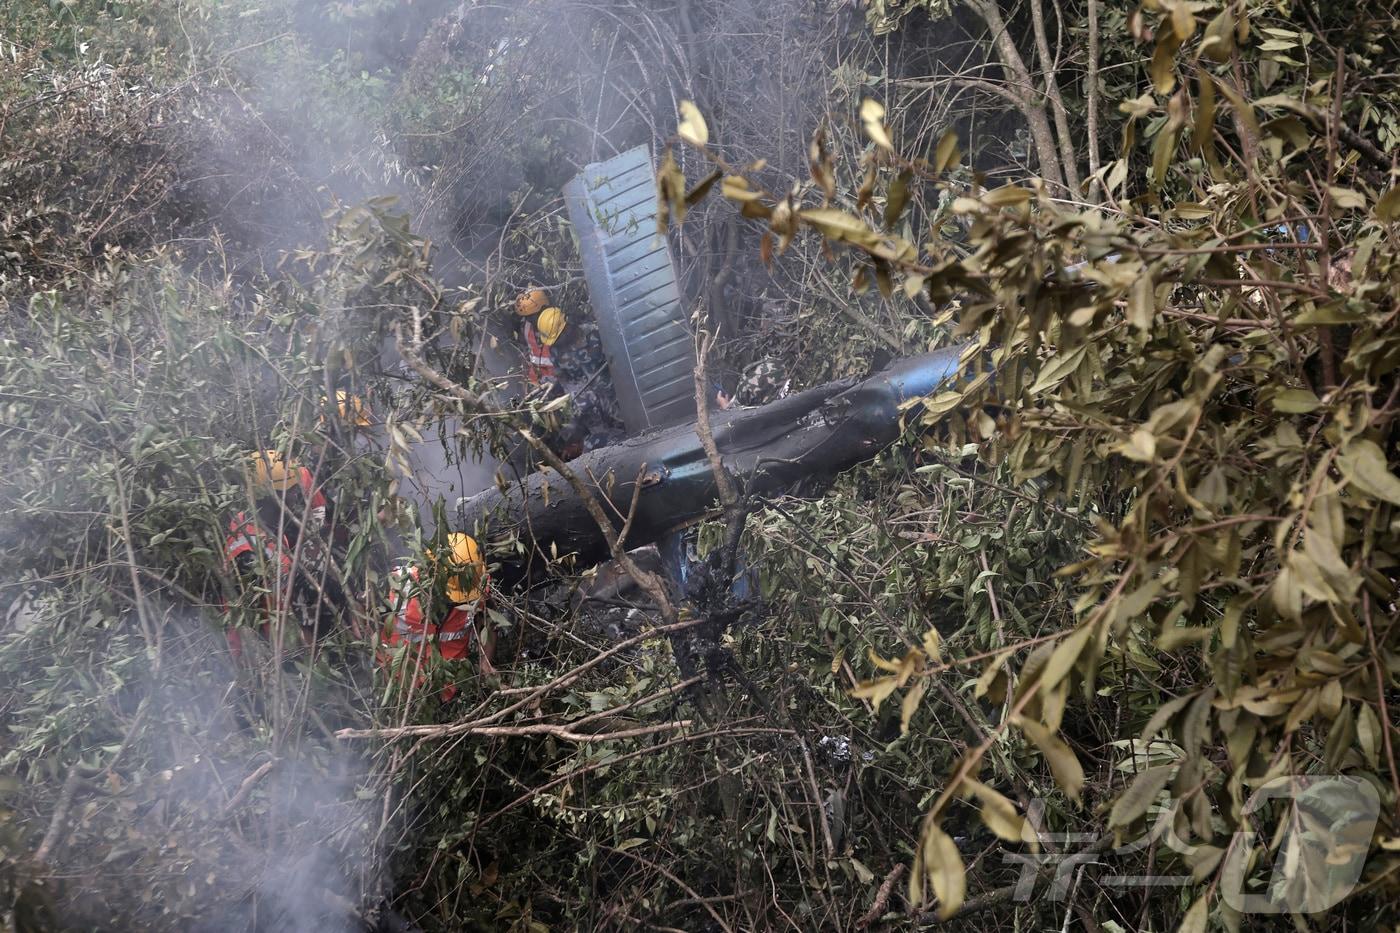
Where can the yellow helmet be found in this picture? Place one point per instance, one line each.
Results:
(467, 569)
(352, 408)
(550, 325)
(271, 471)
(531, 301)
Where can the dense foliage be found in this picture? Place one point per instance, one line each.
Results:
(1205, 365)
(1138, 560)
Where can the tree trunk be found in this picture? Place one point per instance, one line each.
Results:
(1023, 86)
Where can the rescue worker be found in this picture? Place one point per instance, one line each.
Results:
(352, 410)
(541, 326)
(582, 371)
(277, 545)
(440, 617)
(567, 357)
(763, 381)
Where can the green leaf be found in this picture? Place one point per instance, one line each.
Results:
(1163, 716)
(1134, 801)
(1142, 305)
(1368, 733)
(1058, 370)
(1364, 466)
(1195, 919)
(897, 198)
(1295, 402)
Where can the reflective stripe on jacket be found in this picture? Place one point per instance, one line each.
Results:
(408, 624)
(539, 361)
(245, 537)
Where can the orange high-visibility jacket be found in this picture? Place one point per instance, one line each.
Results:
(452, 639)
(245, 536)
(539, 361)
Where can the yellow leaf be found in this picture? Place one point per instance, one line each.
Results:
(736, 188)
(872, 114)
(1069, 773)
(702, 188)
(876, 691)
(933, 644)
(945, 870)
(998, 813)
(1388, 207)
(1203, 860)
(1140, 446)
(881, 663)
(1163, 67)
(1163, 716)
(940, 405)
(1287, 594)
(1204, 121)
(910, 705)
(1219, 39)
(1062, 659)
(1329, 699)
(1174, 637)
(839, 225)
(1346, 198)
(1163, 148)
(692, 128)
(1006, 196)
(1138, 106)
(897, 198)
(1183, 23)
(945, 155)
(990, 675)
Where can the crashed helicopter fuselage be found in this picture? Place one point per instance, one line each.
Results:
(808, 437)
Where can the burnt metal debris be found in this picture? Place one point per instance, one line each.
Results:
(806, 438)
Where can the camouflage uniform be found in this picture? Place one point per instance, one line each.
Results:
(595, 411)
(763, 381)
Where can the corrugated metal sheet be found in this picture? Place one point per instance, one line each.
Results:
(632, 282)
